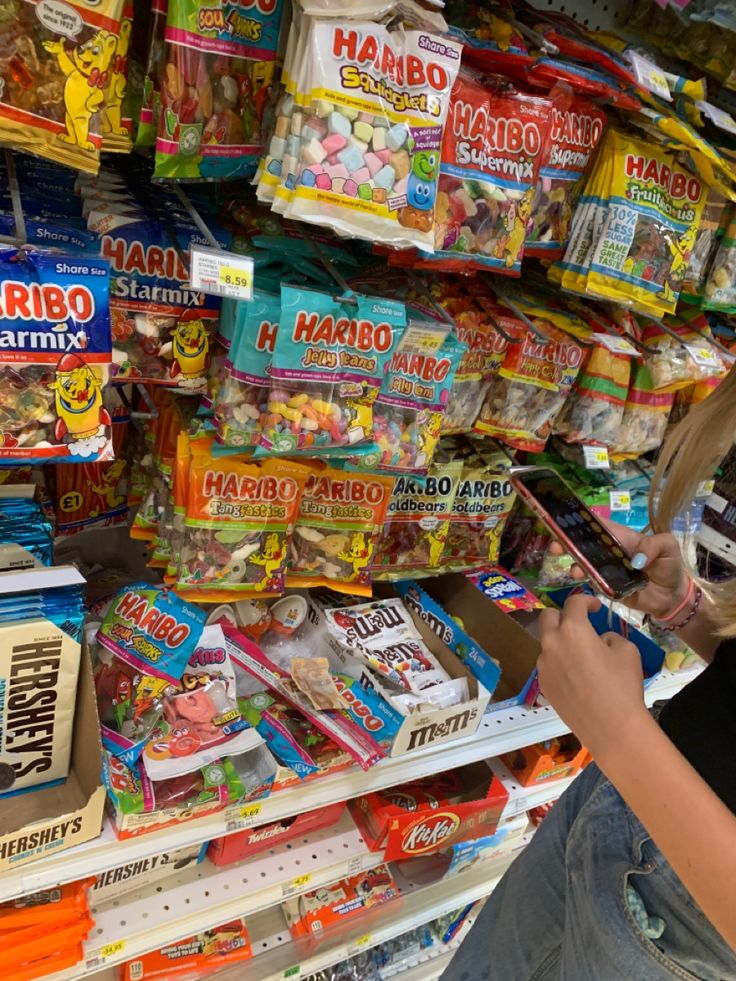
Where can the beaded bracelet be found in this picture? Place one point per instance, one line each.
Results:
(674, 627)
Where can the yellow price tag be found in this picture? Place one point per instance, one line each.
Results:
(109, 950)
(251, 810)
(620, 500)
(705, 488)
(301, 880)
(230, 276)
(363, 941)
(596, 457)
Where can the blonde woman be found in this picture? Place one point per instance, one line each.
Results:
(632, 875)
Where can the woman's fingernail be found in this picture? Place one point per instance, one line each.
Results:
(639, 561)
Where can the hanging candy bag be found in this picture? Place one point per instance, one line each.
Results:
(117, 121)
(595, 408)
(219, 67)
(676, 363)
(55, 322)
(327, 366)
(408, 411)
(238, 526)
(575, 134)
(645, 417)
(495, 141)
(369, 154)
(242, 401)
(339, 524)
(417, 522)
(155, 66)
(54, 72)
(143, 646)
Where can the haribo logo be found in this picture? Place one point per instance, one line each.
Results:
(556, 352)
(430, 833)
(351, 45)
(502, 134)
(133, 257)
(576, 128)
(422, 366)
(347, 491)
(266, 336)
(46, 302)
(675, 182)
(242, 487)
(161, 626)
(363, 335)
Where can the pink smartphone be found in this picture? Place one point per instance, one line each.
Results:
(590, 543)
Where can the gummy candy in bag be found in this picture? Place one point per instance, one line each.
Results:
(155, 65)
(369, 147)
(645, 416)
(327, 366)
(54, 71)
(339, 524)
(55, 321)
(677, 363)
(220, 64)
(494, 143)
(238, 526)
(595, 408)
(528, 392)
(143, 645)
(241, 406)
(575, 134)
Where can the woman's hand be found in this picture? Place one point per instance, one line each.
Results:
(660, 558)
(595, 683)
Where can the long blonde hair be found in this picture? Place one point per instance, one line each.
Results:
(690, 455)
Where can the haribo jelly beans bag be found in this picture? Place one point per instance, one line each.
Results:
(494, 143)
(369, 148)
(327, 366)
(54, 66)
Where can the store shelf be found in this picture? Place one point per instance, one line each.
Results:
(499, 732)
(429, 970)
(295, 960)
(523, 799)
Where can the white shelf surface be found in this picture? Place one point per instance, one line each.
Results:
(499, 732)
(277, 957)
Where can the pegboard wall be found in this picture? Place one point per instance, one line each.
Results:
(596, 15)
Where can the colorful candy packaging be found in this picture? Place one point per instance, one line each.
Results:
(241, 406)
(480, 509)
(719, 292)
(218, 72)
(595, 408)
(143, 645)
(117, 122)
(196, 956)
(495, 140)
(327, 366)
(93, 494)
(155, 67)
(369, 148)
(201, 720)
(674, 363)
(238, 526)
(417, 522)
(339, 524)
(575, 134)
(54, 75)
(408, 411)
(53, 376)
(636, 246)
(714, 223)
(645, 416)
(530, 389)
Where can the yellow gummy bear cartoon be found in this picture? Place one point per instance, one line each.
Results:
(107, 487)
(112, 119)
(359, 554)
(270, 558)
(517, 229)
(436, 539)
(78, 400)
(86, 71)
(191, 346)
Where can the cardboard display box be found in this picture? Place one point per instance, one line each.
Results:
(114, 883)
(542, 763)
(424, 829)
(427, 728)
(39, 822)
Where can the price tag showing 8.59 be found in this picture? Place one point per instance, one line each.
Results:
(221, 273)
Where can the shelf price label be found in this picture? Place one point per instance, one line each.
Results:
(620, 500)
(703, 356)
(249, 812)
(360, 944)
(717, 116)
(110, 950)
(221, 273)
(298, 884)
(650, 76)
(596, 457)
(617, 345)
(293, 972)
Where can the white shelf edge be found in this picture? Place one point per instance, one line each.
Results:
(499, 732)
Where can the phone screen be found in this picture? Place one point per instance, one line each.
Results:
(599, 549)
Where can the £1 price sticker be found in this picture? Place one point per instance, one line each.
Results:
(620, 500)
(221, 273)
(596, 457)
(109, 950)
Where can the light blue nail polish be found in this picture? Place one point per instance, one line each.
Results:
(639, 561)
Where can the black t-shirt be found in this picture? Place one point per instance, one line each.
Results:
(701, 721)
